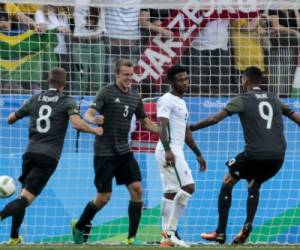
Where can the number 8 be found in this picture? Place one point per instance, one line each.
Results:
(269, 116)
(44, 117)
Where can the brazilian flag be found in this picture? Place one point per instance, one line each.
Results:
(27, 56)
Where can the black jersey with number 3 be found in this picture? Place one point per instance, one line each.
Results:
(261, 117)
(117, 108)
(49, 116)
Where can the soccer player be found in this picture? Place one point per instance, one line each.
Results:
(177, 181)
(112, 157)
(260, 114)
(49, 114)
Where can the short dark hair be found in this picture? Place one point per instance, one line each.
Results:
(175, 70)
(254, 74)
(57, 77)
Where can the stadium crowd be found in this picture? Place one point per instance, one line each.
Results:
(90, 40)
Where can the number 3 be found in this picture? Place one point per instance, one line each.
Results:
(266, 116)
(126, 110)
(44, 114)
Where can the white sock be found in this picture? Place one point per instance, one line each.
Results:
(165, 210)
(180, 202)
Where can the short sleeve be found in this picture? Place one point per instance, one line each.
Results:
(286, 110)
(140, 111)
(72, 108)
(164, 108)
(99, 100)
(24, 110)
(235, 105)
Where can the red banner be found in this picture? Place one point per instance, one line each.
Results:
(141, 139)
(161, 54)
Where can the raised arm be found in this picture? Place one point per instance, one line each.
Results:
(189, 140)
(209, 121)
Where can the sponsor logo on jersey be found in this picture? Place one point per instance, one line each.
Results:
(117, 99)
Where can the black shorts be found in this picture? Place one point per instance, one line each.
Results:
(124, 167)
(244, 167)
(36, 171)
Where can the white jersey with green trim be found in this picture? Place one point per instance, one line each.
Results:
(173, 108)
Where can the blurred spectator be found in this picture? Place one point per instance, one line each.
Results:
(54, 19)
(151, 21)
(123, 36)
(246, 43)
(29, 10)
(88, 49)
(284, 26)
(10, 12)
(209, 59)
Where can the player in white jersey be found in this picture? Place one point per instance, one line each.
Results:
(177, 181)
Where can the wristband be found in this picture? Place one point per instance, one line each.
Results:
(166, 145)
(196, 151)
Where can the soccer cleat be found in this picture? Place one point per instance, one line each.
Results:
(78, 236)
(133, 242)
(214, 236)
(86, 232)
(165, 243)
(170, 235)
(15, 241)
(243, 235)
(130, 241)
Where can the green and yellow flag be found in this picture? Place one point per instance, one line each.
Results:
(27, 56)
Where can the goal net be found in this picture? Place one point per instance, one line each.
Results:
(215, 40)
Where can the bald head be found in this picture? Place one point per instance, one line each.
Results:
(57, 78)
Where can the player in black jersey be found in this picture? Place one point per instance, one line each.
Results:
(112, 157)
(260, 114)
(49, 114)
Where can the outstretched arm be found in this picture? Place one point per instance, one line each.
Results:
(19, 114)
(92, 117)
(209, 121)
(295, 118)
(81, 125)
(189, 140)
(12, 118)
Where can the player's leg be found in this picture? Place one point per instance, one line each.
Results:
(104, 172)
(134, 209)
(130, 175)
(263, 170)
(237, 170)
(166, 208)
(224, 204)
(252, 204)
(178, 178)
(33, 179)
